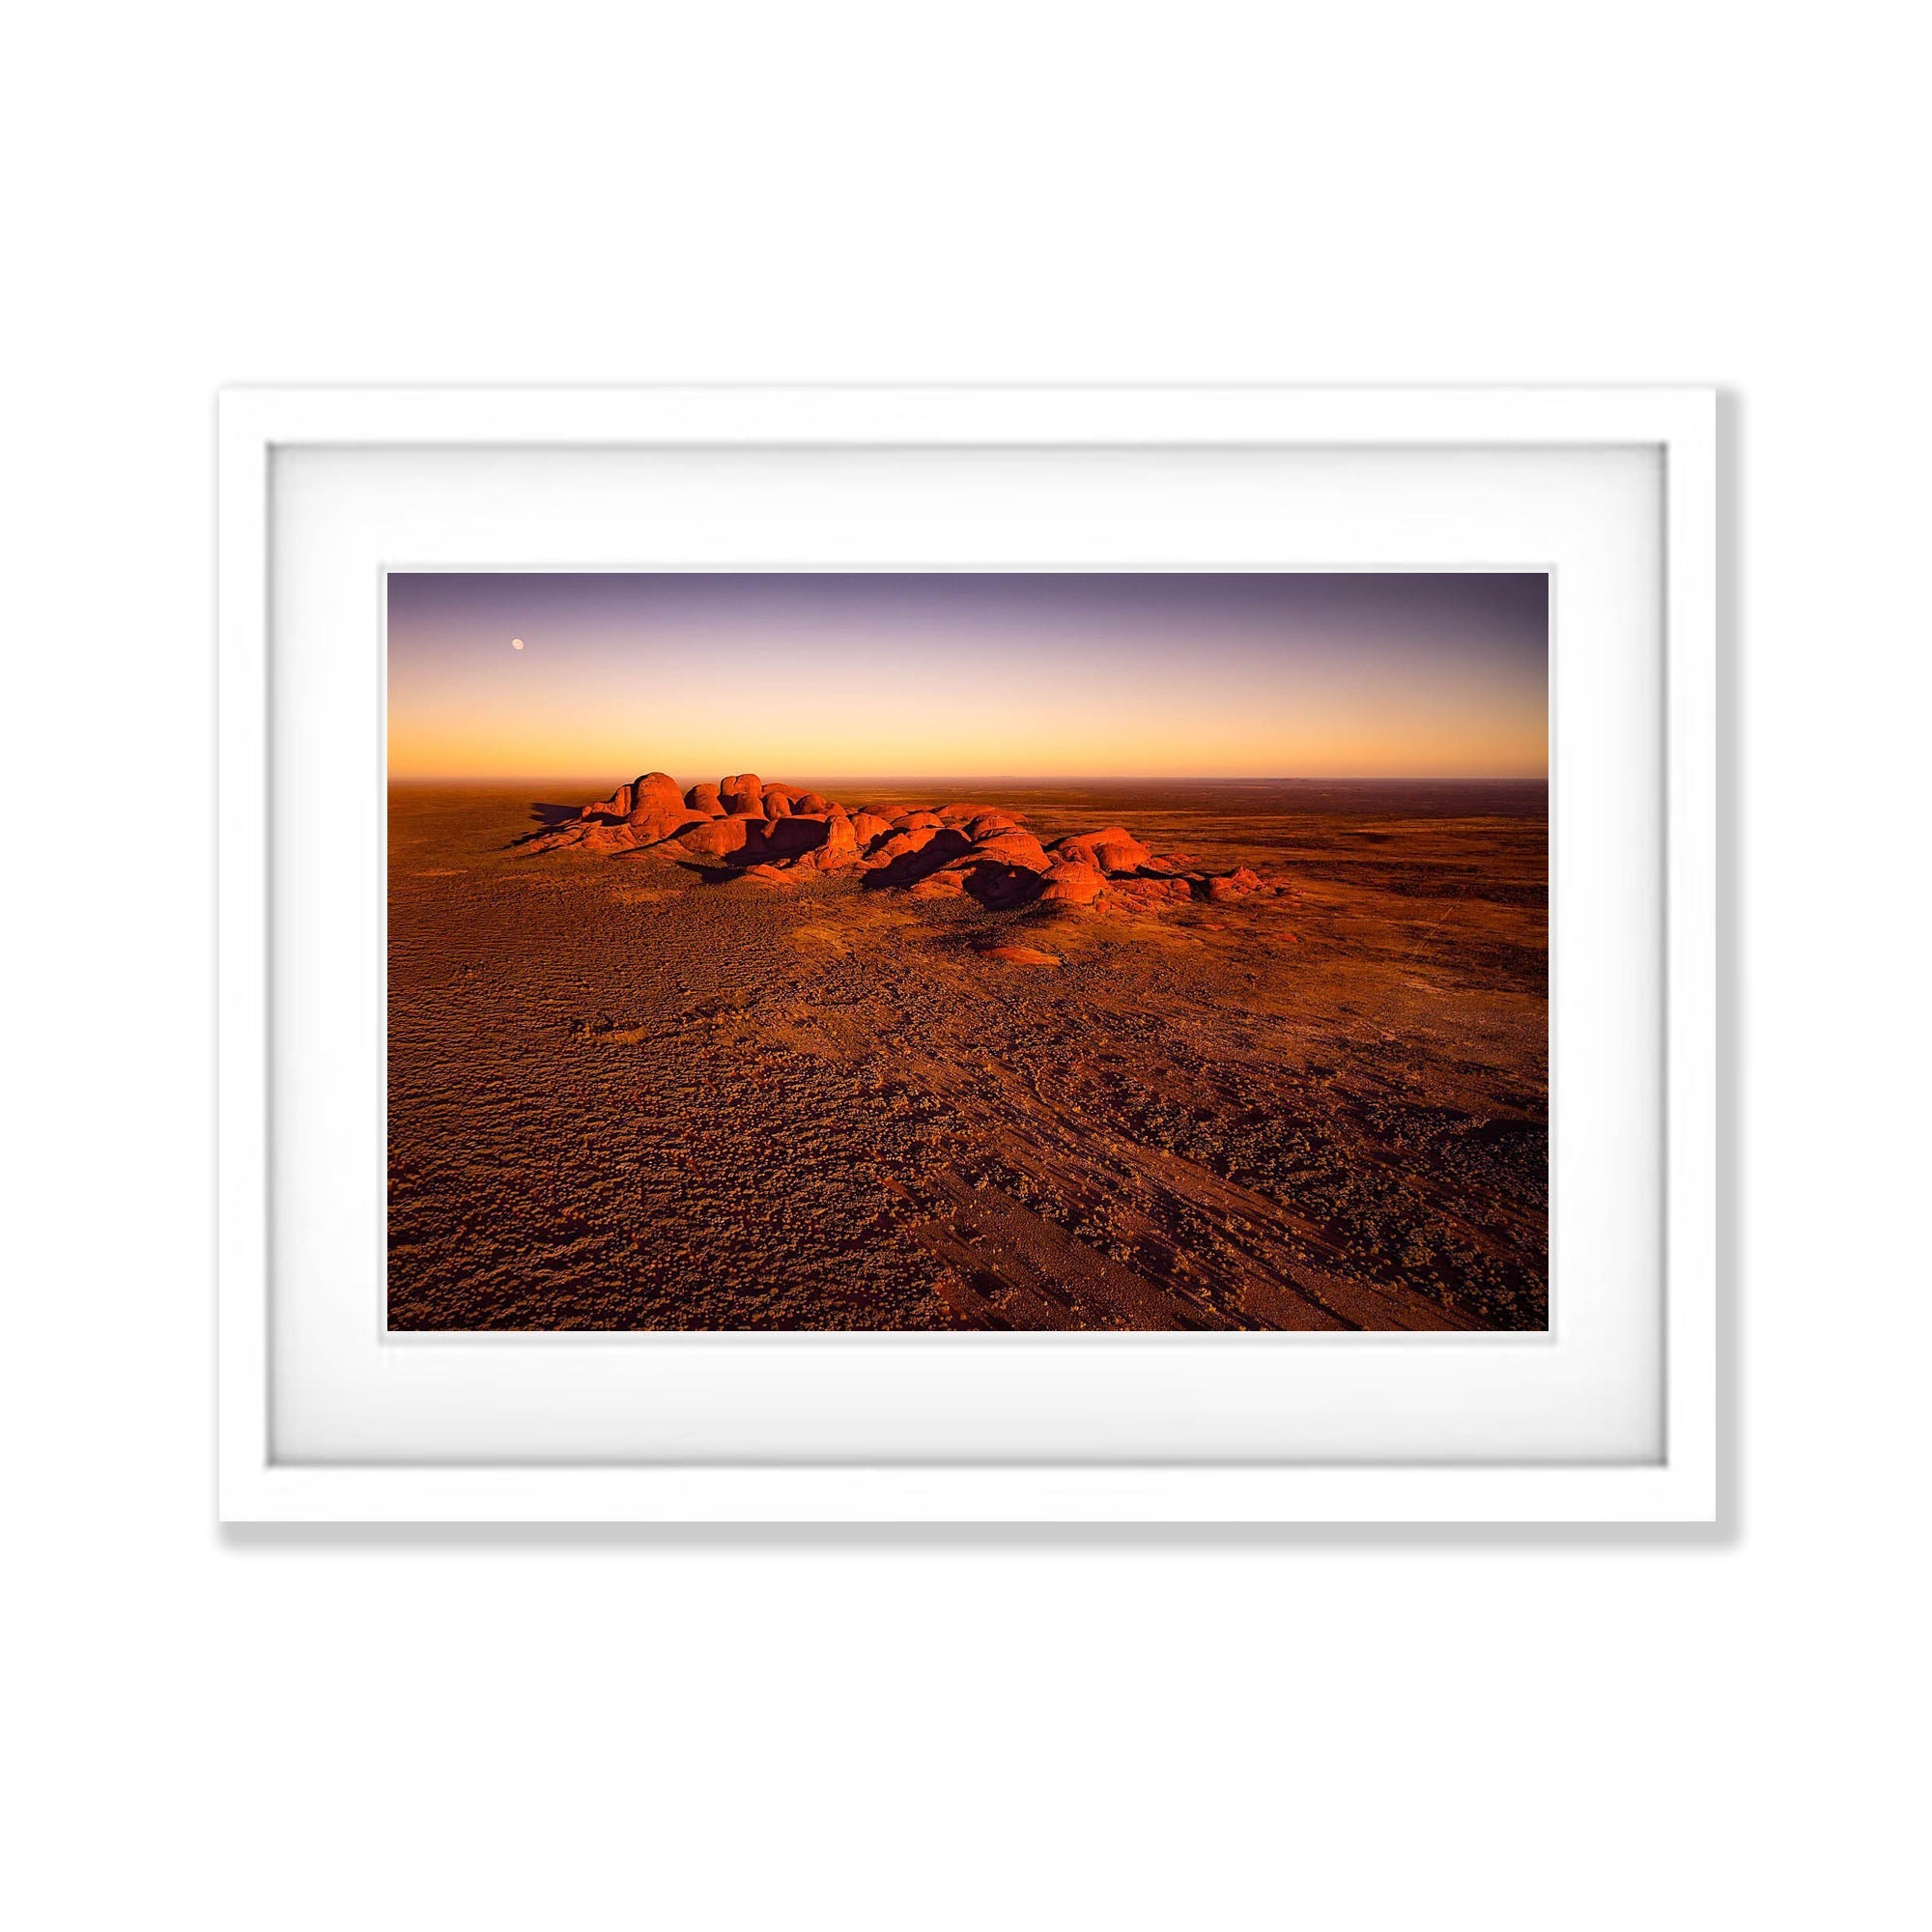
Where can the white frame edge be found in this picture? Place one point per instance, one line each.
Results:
(1681, 422)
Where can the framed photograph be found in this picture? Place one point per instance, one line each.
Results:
(968, 954)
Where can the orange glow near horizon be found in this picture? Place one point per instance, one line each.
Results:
(1164, 676)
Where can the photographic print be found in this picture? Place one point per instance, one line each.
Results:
(968, 951)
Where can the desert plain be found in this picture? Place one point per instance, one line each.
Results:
(1285, 1066)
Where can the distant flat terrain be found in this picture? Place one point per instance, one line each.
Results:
(626, 1094)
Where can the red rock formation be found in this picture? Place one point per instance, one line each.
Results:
(1113, 848)
(1235, 885)
(842, 845)
(1021, 956)
(1073, 884)
(1149, 893)
(717, 838)
(603, 837)
(617, 806)
(657, 809)
(913, 839)
(774, 833)
(1011, 848)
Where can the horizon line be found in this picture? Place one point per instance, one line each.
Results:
(1010, 778)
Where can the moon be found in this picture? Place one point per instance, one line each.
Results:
(516, 643)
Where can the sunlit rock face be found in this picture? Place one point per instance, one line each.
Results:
(780, 834)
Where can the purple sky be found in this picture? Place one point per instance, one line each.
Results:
(1129, 675)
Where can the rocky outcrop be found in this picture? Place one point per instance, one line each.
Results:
(1020, 955)
(657, 809)
(775, 834)
(1113, 848)
(1073, 884)
(717, 838)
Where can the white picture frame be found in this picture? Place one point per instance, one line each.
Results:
(1678, 1483)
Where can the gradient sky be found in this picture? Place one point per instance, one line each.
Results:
(1106, 675)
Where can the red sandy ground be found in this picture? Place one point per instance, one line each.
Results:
(624, 1095)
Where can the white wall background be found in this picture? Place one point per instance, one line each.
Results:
(581, 1730)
